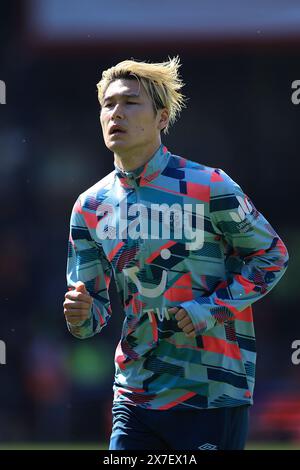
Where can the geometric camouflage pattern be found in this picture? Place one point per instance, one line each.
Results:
(240, 260)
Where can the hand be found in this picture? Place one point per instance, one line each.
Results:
(77, 304)
(183, 321)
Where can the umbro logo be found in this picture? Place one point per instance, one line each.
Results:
(243, 210)
(208, 446)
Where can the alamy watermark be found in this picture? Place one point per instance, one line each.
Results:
(2, 92)
(2, 343)
(154, 222)
(2, 353)
(296, 94)
(296, 354)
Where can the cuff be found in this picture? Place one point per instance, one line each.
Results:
(200, 315)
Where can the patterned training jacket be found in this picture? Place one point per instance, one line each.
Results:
(175, 233)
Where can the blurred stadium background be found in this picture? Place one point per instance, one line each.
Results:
(239, 61)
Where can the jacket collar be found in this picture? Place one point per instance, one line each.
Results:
(145, 173)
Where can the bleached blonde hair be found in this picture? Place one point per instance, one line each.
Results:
(160, 80)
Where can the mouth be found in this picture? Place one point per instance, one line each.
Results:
(116, 131)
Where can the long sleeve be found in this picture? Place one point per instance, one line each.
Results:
(255, 257)
(87, 262)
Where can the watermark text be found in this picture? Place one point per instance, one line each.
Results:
(154, 222)
(296, 94)
(296, 353)
(2, 353)
(2, 92)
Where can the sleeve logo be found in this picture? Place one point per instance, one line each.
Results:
(242, 211)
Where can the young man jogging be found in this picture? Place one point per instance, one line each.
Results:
(189, 253)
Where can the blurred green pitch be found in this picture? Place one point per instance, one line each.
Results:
(94, 446)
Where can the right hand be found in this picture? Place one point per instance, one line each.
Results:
(77, 304)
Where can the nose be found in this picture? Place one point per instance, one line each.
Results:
(117, 111)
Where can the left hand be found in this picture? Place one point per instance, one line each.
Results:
(183, 321)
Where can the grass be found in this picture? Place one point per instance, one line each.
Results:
(273, 445)
(94, 446)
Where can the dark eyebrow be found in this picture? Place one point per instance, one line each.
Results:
(127, 95)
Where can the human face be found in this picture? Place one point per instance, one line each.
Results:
(127, 106)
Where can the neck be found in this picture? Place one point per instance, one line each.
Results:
(133, 159)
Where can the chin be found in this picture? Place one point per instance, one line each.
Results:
(115, 146)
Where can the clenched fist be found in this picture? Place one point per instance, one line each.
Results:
(77, 304)
(183, 321)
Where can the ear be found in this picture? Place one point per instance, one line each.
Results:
(163, 118)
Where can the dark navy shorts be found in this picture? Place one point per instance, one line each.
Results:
(136, 428)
